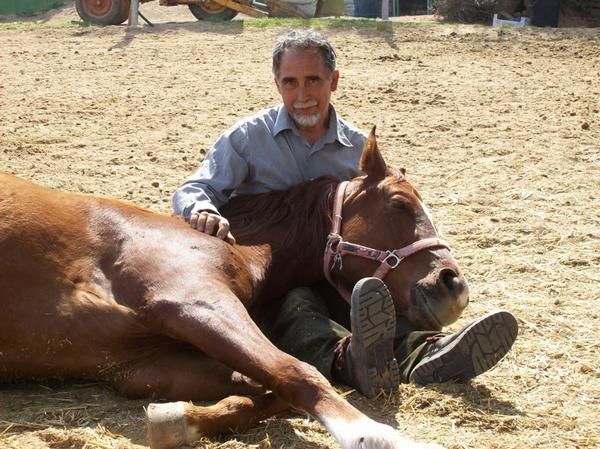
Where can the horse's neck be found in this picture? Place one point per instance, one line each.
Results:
(276, 268)
(283, 236)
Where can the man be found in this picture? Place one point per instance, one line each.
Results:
(301, 139)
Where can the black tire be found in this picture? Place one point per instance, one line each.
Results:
(208, 10)
(126, 6)
(103, 12)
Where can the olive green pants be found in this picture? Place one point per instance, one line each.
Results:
(304, 328)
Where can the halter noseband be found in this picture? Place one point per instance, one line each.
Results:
(336, 248)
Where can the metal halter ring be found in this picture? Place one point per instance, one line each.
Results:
(395, 259)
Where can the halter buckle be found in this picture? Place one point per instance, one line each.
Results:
(333, 241)
(392, 259)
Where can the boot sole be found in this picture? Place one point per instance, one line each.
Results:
(478, 348)
(374, 326)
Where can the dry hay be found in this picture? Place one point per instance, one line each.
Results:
(499, 129)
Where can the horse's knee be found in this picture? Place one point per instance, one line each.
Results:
(299, 383)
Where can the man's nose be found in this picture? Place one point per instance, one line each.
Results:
(302, 94)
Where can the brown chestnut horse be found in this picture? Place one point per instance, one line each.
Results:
(95, 288)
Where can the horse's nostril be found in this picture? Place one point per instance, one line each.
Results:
(450, 280)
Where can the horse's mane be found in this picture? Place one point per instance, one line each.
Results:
(304, 209)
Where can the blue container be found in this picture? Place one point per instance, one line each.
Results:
(367, 8)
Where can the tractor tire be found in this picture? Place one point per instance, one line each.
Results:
(103, 12)
(125, 7)
(209, 10)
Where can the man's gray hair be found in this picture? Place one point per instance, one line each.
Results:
(304, 39)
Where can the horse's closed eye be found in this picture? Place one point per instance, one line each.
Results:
(401, 205)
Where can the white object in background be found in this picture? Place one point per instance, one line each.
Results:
(308, 7)
(133, 13)
(385, 10)
(349, 7)
(519, 23)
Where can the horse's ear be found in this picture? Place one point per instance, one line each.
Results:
(371, 160)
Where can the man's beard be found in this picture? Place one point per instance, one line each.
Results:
(306, 121)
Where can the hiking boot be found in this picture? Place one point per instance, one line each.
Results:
(473, 350)
(365, 360)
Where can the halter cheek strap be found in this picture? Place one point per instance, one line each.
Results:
(336, 248)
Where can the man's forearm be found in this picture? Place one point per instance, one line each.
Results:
(189, 199)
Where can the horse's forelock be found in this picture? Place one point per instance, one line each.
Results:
(398, 173)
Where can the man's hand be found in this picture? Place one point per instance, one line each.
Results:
(212, 224)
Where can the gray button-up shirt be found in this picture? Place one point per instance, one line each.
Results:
(266, 152)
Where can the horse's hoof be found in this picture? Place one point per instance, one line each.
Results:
(166, 425)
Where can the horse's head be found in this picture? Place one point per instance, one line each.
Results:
(382, 211)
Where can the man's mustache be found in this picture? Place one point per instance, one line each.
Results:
(305, 104)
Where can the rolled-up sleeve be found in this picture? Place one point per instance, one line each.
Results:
(224, 168)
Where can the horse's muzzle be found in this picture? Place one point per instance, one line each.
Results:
(439, 299)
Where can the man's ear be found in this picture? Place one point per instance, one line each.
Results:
(371, 160)
(277, 84)
(335, 76)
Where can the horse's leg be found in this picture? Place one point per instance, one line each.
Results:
(223, 330)
(177, 423)
(180, 372)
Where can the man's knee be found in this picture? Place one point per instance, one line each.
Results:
(302, 300)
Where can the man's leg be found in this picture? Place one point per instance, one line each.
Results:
(409, 346)
(461, 356)
(432, 357)
(303, 329)
(365, 360)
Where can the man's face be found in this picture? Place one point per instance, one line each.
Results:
(305, 86)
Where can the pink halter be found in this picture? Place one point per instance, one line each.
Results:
(336, 248)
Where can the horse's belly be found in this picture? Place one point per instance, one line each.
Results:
(48, 330)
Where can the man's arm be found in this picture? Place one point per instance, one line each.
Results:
(198, 199)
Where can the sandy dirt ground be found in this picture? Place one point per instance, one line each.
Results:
(498, 129)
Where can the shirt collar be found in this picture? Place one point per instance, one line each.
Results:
(283, 121)
(335, 131)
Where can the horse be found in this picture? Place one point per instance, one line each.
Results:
(95, 288)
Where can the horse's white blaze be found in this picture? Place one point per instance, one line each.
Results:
(429, 217)
(364, 433)
(463, 297)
